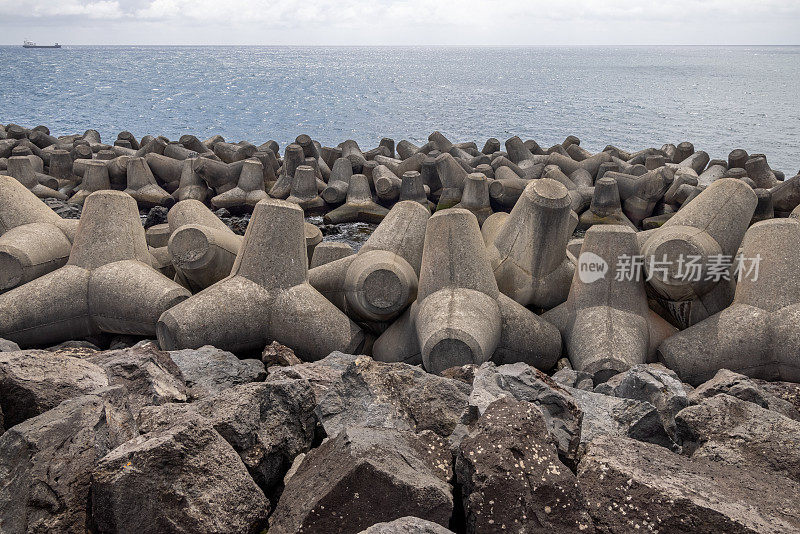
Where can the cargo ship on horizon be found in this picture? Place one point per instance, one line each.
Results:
(31, 44)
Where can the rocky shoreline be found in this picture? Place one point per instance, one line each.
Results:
(205, 336)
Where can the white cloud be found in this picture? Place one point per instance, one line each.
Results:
(103, 9)
(414, 21)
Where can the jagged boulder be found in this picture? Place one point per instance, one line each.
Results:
(511, 478)
(46, 462)
(365, 475)
(148, 374)
(651, 383)
(406, 525)
(568, 377)
(788, 391)
(268, 424)
(280, 355)
(321, 374)
(640, 487)
(747, 389)
(615, 416)
(561, 413)
(209, 370)
(34, 381)
(8, 346)
(392, 395)
(727, 429)
(184, 478)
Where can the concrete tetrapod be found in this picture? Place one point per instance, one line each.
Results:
(20, 167)
(107, 285)
(293, 157)
(201, 246)
(606, 207)
(166, 170)
(412, 188)
(528, 252)
(142, 185)
(248, 192)
(34, 240)
(640, 194)
(452, 176)
(759, 334)
(459, 316)
(329, 251)
(377, 284)
(303, 190)
(267, 297)
(387, 184)
(336, 192)
(685, 257)
(359, 206)
(507, 187)
(94, 179)
(191, 186)
(606, 324)
(476, 196)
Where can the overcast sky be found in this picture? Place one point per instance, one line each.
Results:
(377, 22)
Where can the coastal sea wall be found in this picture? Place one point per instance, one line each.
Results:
(456, 336)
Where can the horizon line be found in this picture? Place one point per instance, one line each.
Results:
(443, 45)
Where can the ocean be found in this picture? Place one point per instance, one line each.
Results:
(719, 98)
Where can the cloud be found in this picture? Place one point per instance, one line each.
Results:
(104, 9)
(414, 21)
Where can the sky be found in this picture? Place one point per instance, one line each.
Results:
(400, 22)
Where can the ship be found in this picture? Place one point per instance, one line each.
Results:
(31, 44)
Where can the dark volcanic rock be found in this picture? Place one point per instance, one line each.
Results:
(64, 209)
(209, 370)
(156, 215)
(322, 374)
(149, 374)
(727, 429)
(119, 342)
(77, 347)
(651, 383)
(34, 381)
(746, 389)
(465, 373)
(184, 478)
(526, 383)
(605, 415)
(788, 391)
(639, 487)
(267, 424)
(406, 525)
(280, 355)
(392, 395)
(511, 477)
(364, 476)
(733, 384)
(47, 461)
(568, 377)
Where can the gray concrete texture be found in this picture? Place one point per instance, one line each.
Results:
(757, 335)
(528, 252)
(107, 285)
(34, 240)
(460, 316)
(606, 324)
(378, 283)
(266, 297)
